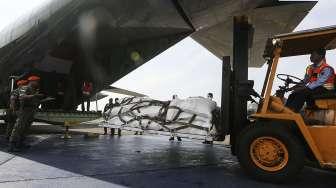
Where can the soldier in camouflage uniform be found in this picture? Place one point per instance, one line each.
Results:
(29, 102)
(14, 106)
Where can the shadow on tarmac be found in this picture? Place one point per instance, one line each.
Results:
(137, 161)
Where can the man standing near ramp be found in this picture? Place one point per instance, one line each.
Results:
(107, 107)
(14, 106)
(29, 101)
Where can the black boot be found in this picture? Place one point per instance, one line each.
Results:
(179, 139)
(208, 142)
(171, 138)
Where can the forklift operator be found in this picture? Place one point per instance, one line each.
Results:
(319, 79)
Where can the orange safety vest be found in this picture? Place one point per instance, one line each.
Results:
(314, 73)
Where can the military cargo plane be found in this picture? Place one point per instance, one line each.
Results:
(68, 42)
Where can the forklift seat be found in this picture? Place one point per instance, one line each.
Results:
(326, 100)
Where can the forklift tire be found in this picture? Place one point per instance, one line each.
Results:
(270, 153)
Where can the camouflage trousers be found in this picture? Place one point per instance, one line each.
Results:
(10, 122)
(24, 120)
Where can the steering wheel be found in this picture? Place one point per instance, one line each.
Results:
(289, 79)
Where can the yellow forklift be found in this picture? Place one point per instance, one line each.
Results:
(276, 143)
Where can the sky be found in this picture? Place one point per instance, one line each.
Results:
(187, 68)
(11, 10)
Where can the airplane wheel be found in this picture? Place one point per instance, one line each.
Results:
(270, 153)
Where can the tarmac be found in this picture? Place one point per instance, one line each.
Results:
(132, 161)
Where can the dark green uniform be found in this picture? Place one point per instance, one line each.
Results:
(11, 114)
(25, 115)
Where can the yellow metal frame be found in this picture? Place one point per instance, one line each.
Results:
(318, 138)
(324, 31)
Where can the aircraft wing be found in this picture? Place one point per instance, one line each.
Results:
(112, 89)
(268, 19)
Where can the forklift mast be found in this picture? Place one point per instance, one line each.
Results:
(236, 88)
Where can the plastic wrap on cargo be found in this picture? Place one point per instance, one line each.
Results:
(195, 111)
(179, 116)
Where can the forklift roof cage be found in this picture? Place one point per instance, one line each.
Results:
(304, 42)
